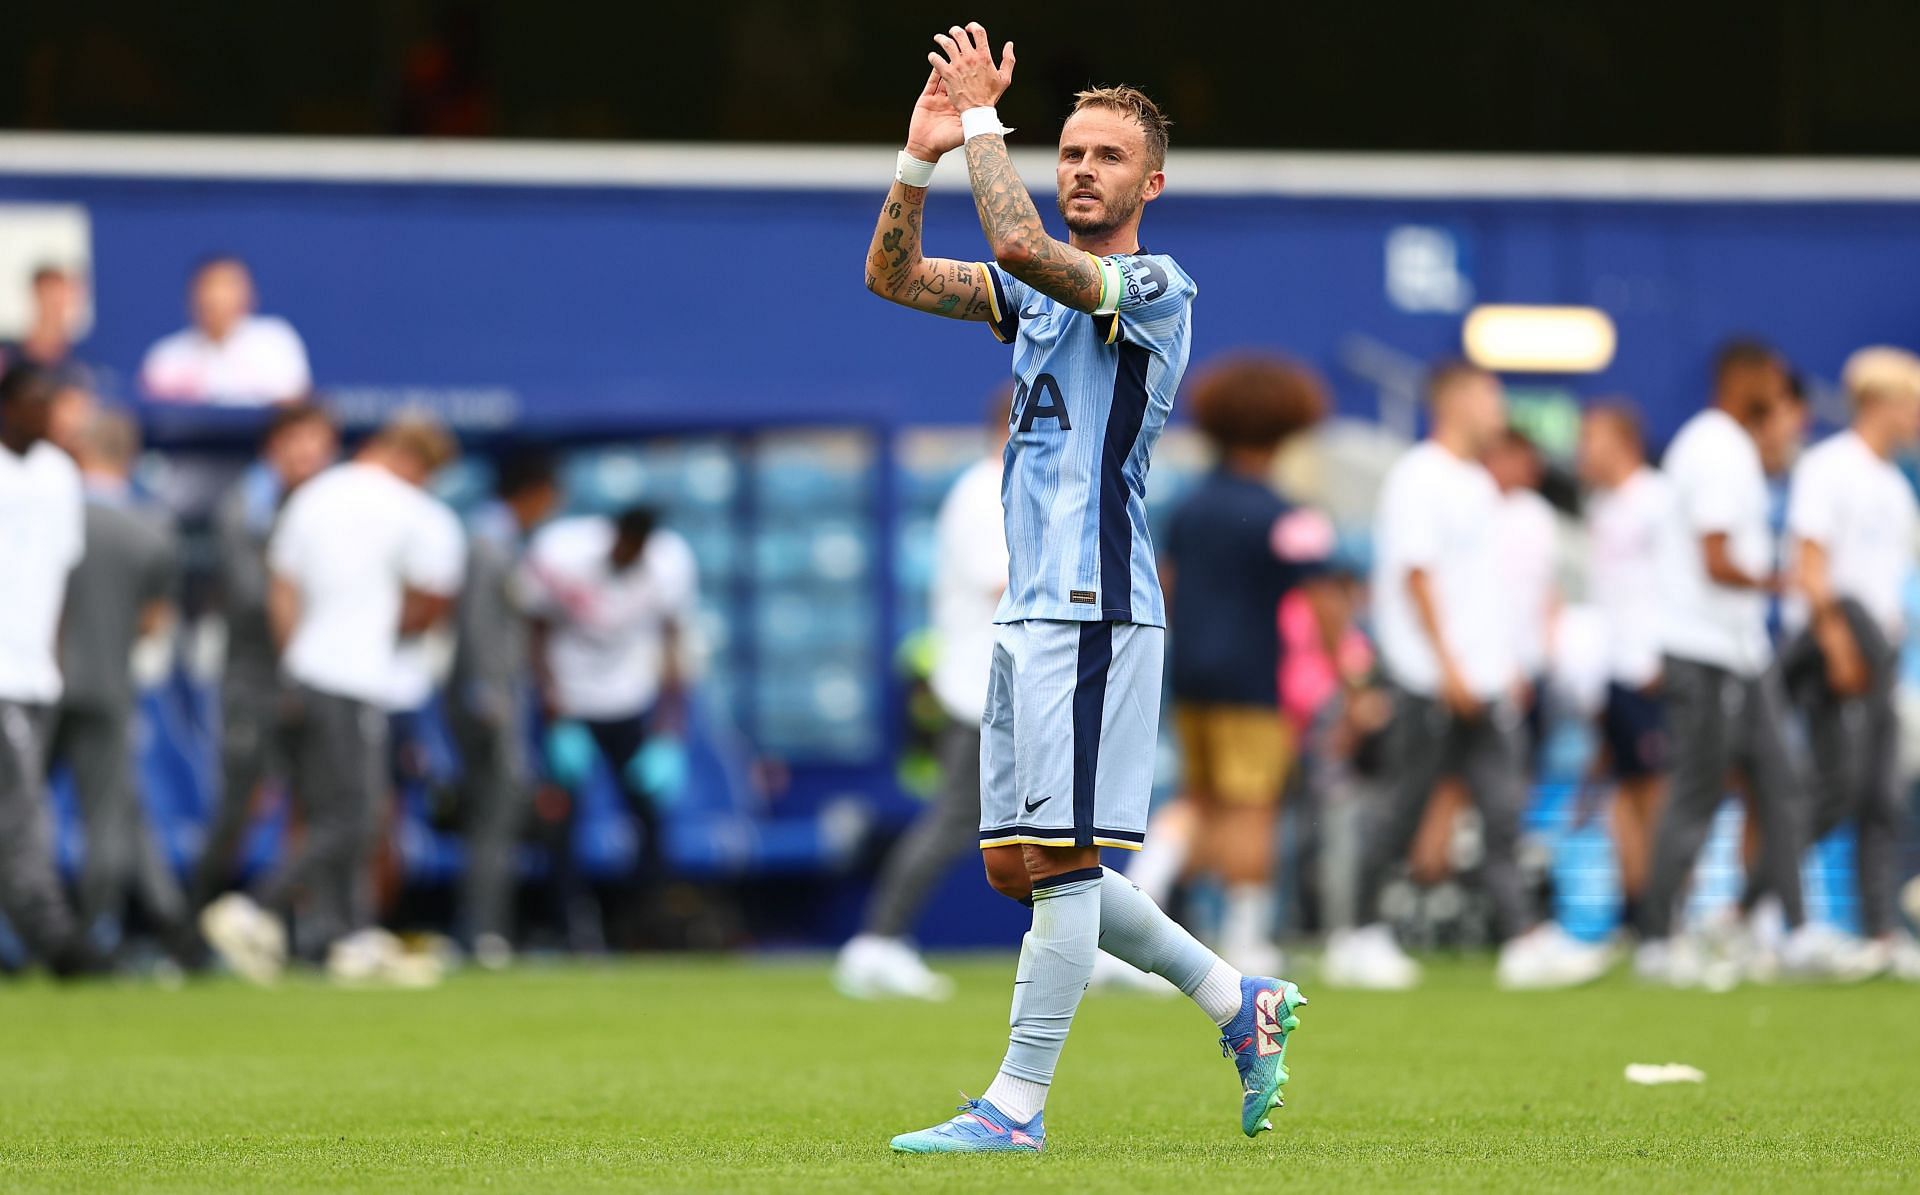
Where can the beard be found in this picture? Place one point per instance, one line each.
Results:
(1114, 212)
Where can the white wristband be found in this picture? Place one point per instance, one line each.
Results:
(912, 171)
(975, 122)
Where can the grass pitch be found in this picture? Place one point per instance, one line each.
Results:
(744, 1076)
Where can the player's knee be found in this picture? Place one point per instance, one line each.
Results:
(1007, 872)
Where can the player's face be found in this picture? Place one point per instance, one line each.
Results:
(1598, 454)
(1103, 172)
(222, 297)
(303, 450)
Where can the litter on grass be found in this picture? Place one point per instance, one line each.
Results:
(1652, 1074)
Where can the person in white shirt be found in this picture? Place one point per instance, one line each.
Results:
(1443, 618)
(1851, 517)
(1626, 510)
(1726, 707)
(1529, 534)
(358, 561)
(41, 539)
(969, 575)
(611, 601)
(230, 356)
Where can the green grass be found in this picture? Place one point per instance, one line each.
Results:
(713, 1076)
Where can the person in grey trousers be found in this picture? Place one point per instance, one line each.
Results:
(300, 441)
(489, 694)
(42, 535)
(121, 592)
(969, 575)
(1726, 705)
(1852, 519)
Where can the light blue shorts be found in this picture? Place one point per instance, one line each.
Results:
(1068, 738)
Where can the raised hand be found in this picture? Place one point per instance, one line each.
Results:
(965, 65)
(935, 127)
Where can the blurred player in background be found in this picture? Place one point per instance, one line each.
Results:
(300, 441)
(59, 298)
(612, 601)
(356, 564)
(121, 592)
(1529, 534)
(1726, 708)
(969, 577)
(231, 355)
(42, 536)
(1852, 517)
(1445, 621)
(1100, 330)
(1626, 512)
(1235, 549)
(489, 696)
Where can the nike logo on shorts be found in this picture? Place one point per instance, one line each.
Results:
(1033, 805)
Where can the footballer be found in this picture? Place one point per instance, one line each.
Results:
(1100, 330)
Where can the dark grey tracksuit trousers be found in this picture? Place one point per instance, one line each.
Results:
(123, 858)
(339, 784)
(1427, 743)
(1855, 745)
(30, 892)
(252, 747)
(945, 829)
(1719, 721)
(495, 796)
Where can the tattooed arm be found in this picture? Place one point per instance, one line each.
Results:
(1020, 242)
(897, 272)
(895, 269)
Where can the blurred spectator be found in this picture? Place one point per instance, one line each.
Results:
(488, 698)
(121, 592)
(230, 356)
(969, 577)
(74, 407)
(1726, 708)
(1444, 619)
(300, 442)
(1853, 518)
(355, 565)
(1627, 509)
(610, 598)
(42, 521)
(1529, 534)
(59, 298)
(1235, 548)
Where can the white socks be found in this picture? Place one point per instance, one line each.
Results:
(1020, 1099)
(1219, 993)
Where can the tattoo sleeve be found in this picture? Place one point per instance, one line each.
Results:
(897, 272)
(1019, 240)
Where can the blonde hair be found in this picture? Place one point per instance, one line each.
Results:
(1131, 101)
(422, 436)
(1881, 372)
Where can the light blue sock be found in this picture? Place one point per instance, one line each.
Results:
(1134, 930)
(1056, 961)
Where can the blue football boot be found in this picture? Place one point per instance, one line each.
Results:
(980, 1128)
(1256, 1040)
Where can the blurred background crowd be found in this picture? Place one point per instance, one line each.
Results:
(427, 534)
(374, 703)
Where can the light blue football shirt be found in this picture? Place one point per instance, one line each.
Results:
(1091, 395)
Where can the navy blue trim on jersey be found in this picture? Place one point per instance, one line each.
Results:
(1005, 323)
(1124, 418)
(1108, 326)
(1023, 830)
(1075, 876)
(1089, 710)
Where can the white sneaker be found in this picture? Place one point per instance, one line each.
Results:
(251, 940)
(1820, 951)
(375, 958)
(1369, 958)
(871, 967)
(1121, 976)
(1904, 958)
(492, 952)
(1674, 963)
(1545, 957)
